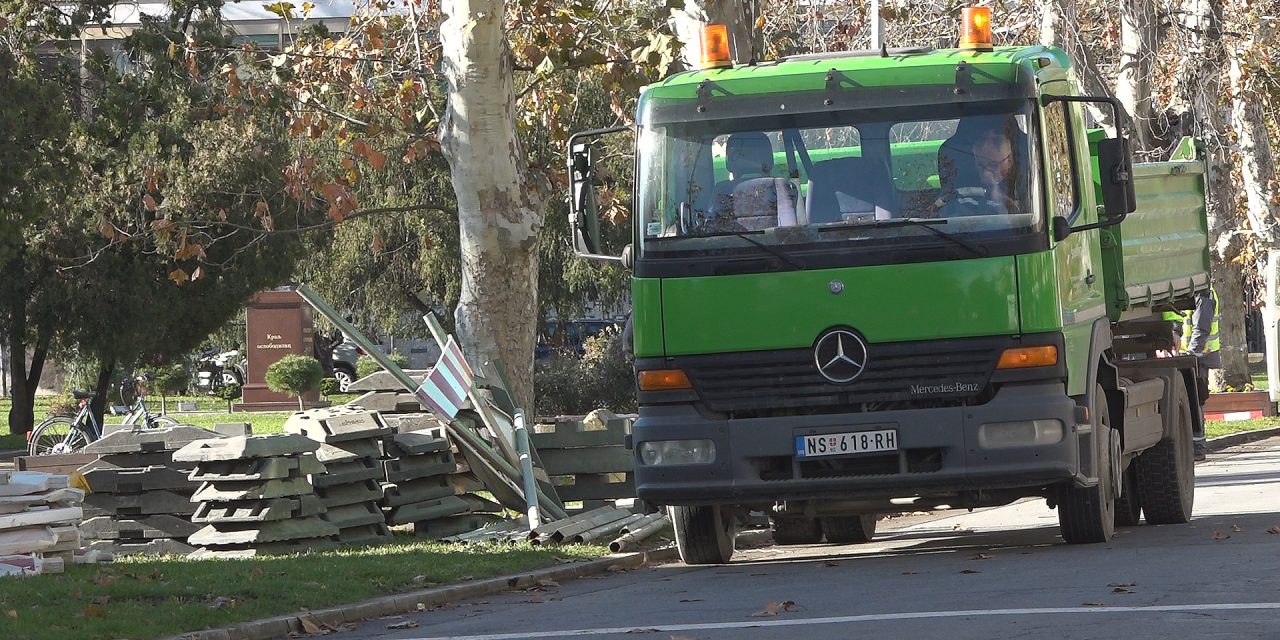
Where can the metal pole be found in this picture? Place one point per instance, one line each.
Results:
(526, 468)
(1270, 320)
(877, 25)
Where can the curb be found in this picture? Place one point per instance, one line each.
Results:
(413, 601)
(285, 625)
(1244, 437)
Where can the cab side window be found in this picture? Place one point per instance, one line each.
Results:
(1057, 149)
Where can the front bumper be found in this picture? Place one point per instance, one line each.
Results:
(938, 453)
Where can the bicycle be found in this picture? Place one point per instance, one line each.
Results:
(60, 434)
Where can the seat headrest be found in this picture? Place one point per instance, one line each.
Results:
(748, 153)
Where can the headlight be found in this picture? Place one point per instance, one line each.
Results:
(672, 452)
(1005, 435)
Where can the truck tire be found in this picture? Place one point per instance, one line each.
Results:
(850, 529)
(1088, 514)
(1166, 472)
(703, 534)
(1128, 505)
(788, 530)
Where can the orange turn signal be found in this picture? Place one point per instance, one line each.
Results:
(975, 28)
(1028, 357)
(715, 47)
(663, 380)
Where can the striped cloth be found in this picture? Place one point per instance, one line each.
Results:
(445, 388)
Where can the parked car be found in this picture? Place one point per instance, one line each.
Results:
(216, 369)
(574, 336)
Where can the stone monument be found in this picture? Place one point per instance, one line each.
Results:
(278, 322)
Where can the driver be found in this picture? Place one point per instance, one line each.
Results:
(986, 190)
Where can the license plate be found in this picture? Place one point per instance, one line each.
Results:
(839, 444)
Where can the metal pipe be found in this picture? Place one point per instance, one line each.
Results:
(628, 541)
(526, 468)
(586, 525)
(604, 529)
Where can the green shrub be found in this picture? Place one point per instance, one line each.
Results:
(228, 392)
(366, 365)
(295, 375)
(328, 386)
(168, 380)
(601, 378)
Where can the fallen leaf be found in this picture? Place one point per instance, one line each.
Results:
(831, 564)
(1218, 535)
(310, 626)
(422, 607)
(969, 571)
(616, 568)
(547, 582)
(12, 613)
(222, 602)
(255, 573)
(407, 624)
(1236, 528)
(94, 611)
(982, 556)
(1123, 584)
(1274, 530)
(466, 578)
(1120, 590)
(789, 606)
(910, 573)
(692, 600)
(771, 609)
(1092, 604)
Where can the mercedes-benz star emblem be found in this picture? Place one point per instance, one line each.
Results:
(840, 355)
(835, 287)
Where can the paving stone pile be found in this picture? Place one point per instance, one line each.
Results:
(427, 484)
(38, 517)
(139, 499)
(256, 498)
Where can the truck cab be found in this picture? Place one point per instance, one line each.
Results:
(894, 280)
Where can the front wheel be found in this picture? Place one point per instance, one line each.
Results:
(704, 535)
(1166, 472)
(1088, 514)
(850, 529)
(57, 435)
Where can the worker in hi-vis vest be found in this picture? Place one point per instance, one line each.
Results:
(1198, 336)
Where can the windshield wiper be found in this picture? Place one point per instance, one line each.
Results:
(926, 223)
(773, 251)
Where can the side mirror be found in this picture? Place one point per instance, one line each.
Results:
(1061, 228)
(628, 259)
(584, 208)
(584, 220)
(1116, 169)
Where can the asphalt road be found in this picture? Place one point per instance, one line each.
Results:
(995, 573)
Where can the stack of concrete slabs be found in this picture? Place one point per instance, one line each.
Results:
(140, 498)
(348, 438)
(255, 497)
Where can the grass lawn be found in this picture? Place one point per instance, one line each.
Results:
(1214, 429)
(138, 599)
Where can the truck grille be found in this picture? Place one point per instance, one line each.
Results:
(926, 371)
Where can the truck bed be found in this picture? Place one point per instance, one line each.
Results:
(1159, 255)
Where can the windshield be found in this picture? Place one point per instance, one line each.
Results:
(819, 182)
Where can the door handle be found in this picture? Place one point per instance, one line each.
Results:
(1090, 279)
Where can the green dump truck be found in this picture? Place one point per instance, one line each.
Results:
(900, 280)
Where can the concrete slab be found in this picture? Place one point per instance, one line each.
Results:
(242, 447)
(44, 516)
(420, 490)
(144, 528)
(58, 497)
(351, 472)
(454, 525)
(136, 461)
(21, 483)
(337, 424)
(414, 443)
(161, 547)
(348, 451)
(149, 440)
(417, 421)
(27, 540)
(233, 429)
(258, 510)
(225, 534)
(338, 495)
(387, 402)
(365, 534)
(138, 504)
(283, 547)
(256, 469)
(384, 381)
(439, 463)
(429, 510)
(115, 480)
(252, 490)
(354, 515)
